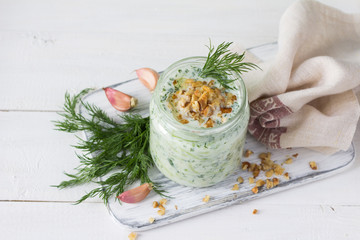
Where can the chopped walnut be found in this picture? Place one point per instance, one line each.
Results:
(132, 236)
(255, 211)
(269, 173)
(161, 212)
(265, 155)
(313, 165)
(155, 204)
(275, 181)
(235, 187)
(269, 184)
(286, 176)
(176, 207)
(163, 201)
(255, 190)
(295, 155)
(278, 169)
(161, 207)
(251, 180)
(184, 121)
(240, 180)
(256, 171)
(288, 161)
(225, 110)
(248, 153)
(245, 165)
(260, 183)
(200, 101)
(206, 198)
(151, 220)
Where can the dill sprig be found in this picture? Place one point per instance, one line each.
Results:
(220, 63)
(110, 146)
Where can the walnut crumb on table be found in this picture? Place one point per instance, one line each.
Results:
(240, 180)
(161, 212)
(260, 183)
(248, 153)
(313, 165)
(251, 180)
(132, 236)
(155, 204)
(206, 198)
(255, 190)
(151, 220)
(255, 211)
(235, 187)
(163, 201)
(288, 161)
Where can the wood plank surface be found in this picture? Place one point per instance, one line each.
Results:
(48, 47)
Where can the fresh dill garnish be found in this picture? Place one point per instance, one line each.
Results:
(220, 64)
(110, 146)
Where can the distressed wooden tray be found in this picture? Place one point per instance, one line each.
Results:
(189, 200)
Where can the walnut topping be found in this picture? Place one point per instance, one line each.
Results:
(203, 100)
(248, 153)
(313, 165)
(255, 190)
(225, 110)
(240, 180)
(209, 123)
(235, 187)
(184, 121)
(206, 198)
(200, 101)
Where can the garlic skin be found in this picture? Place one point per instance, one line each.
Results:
(148, 77)
(136, 194)
(119, 100)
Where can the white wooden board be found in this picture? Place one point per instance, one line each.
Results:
(189, 200)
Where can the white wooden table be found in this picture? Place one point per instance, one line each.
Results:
(48, 47)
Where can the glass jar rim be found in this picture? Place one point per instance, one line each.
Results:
(199, 130)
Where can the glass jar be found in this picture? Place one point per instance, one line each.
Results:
(194, 156)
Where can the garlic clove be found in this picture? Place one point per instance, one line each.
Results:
(148, 77)
(119, 100)
(136, 194)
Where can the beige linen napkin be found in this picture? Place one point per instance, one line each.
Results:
(304, 97)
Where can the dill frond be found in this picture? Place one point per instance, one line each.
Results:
(220, 64)
(123, 147)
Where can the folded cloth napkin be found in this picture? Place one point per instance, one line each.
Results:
(304, 97)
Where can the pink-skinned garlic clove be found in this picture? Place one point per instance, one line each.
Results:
(136, 194)
(119, 100)
(148, 77)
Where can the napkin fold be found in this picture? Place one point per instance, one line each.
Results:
(304, 97)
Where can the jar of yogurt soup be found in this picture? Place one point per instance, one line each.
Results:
(197, 127)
